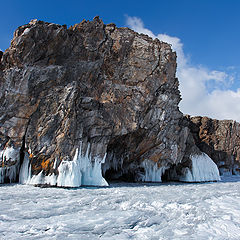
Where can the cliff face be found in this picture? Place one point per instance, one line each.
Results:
(96, 102)
(220, 140)
(75, 98)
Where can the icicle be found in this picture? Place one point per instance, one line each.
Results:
(9, 173)
(10, 164)
(80, 171)
(70, 173)
(152, 172)
(93, 174)
(25, 171)
(114, 163)
(203, 169)
(55, 164)
(10, 154)
(1, 175)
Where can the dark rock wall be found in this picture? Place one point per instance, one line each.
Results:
(92, 85)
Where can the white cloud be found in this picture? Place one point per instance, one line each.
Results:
(203, 91)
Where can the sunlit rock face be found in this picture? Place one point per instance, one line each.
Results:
(89, 102)
(108, 89)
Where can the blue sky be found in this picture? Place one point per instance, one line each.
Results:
(207, 30)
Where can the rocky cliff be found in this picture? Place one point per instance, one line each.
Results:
(220, 140)
(92, 102)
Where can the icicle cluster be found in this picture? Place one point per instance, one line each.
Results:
(152, 172)
(81, 171)
(203, 170)
(9, 164)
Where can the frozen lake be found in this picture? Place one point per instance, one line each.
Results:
(122, 211)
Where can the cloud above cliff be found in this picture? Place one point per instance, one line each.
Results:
(204, 92)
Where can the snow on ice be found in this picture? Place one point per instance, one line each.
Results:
(196, 211)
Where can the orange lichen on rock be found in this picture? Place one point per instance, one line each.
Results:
(45, 164)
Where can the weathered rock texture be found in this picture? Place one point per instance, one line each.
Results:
(220, 140)
(92, 85)
(106, 92)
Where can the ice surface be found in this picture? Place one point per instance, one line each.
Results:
(122, 211)
(81, 171)
(203, 169)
